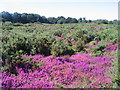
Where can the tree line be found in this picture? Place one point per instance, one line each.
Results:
(31, 18)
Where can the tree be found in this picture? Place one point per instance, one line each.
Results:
(89, 21)
(115, 21)
(31, 18)
(44, 20)
(61, 20)
(60, 17)
(68, 20)
(40, 19)
(52, 20)
(110, 22)
(24, 18)
(71, 20)
(6, 16)
(74, 20)
(84, 20)
(37, 17)
(105, 21)
(80, 20)
(16, 17)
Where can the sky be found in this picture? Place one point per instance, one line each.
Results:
(90, 9)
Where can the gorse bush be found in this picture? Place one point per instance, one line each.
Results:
(66, 56)
(7, 26)
(61, 48)
(55, 39)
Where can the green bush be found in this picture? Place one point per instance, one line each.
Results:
(17, 24)
(60, 48)
(7, 26)
(36, 39)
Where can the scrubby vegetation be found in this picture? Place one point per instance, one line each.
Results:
(37, 55)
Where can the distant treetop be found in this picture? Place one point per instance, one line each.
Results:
(31, 18)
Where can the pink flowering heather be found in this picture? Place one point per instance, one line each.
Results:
(73, 42)
(111, 48)
(81, 70)
(58, 37)
(85, 27)
(98, 28)
(65, 41)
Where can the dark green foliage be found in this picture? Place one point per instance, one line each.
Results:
(80, 20)
(71, 20)
(16, 17)
(7, 26)
(59, 40)
(52, 20)
(32, 18)
(61, 20)
(61, 48)
(17, 24)
(6, 16)
(102, 21)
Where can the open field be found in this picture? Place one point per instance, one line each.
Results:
(81, 55)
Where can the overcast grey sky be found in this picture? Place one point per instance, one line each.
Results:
(91, 9)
